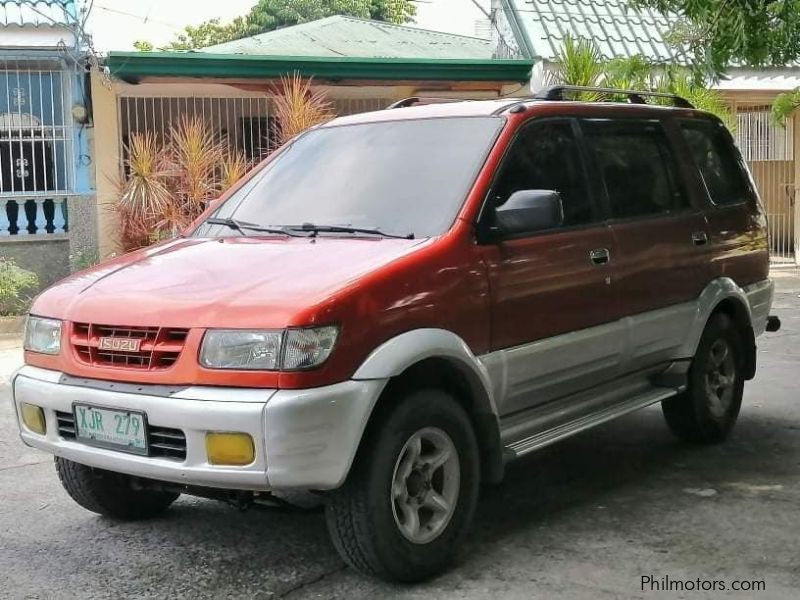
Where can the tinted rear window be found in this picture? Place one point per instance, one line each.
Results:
(718, 162)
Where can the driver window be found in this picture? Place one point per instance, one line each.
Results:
(545, 156)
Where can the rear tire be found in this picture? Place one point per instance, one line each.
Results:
(408, 502)
(707, 411)
(110, 494)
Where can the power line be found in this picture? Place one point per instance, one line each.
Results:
(142, 18)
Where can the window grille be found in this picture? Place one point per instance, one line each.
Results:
(242, 122)
(760, 139)
(35, 129)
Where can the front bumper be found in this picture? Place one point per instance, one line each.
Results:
(303, 438)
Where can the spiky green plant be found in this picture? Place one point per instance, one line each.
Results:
(143, 194)
(234, 166)
(580, 62)
(194, 157)
(631, 73)
(299, 106)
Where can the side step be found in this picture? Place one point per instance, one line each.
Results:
(555, 434)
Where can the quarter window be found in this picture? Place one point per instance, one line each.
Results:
(635, 163)
(718, 162)
(545, 156)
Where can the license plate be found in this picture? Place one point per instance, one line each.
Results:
(124, 430)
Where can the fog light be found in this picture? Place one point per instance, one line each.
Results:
(225, 448)
(33, 418)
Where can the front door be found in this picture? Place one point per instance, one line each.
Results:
(553, 307)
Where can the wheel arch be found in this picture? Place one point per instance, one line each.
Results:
(723, 295)
(440, 358)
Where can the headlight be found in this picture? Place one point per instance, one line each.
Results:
(43, 335)
(265, 350)
(239, 349)
(308, 348)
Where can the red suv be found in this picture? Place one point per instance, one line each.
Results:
(396, 304)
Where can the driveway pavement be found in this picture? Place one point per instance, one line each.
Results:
(588, 518)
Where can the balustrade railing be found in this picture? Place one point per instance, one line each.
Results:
(24, 216)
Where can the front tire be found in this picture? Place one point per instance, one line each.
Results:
(409, 500)
(707, 411)
(110, 494)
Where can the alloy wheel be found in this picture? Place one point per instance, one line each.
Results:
(425, 485)
(720, 377)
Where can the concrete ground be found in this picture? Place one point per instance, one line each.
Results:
(587, 518)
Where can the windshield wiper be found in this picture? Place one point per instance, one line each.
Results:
(315, 229)
(243, 226)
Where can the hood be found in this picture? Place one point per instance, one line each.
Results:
(221, 282)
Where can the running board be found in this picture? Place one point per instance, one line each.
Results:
(550, 436)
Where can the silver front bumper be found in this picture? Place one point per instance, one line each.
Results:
(303, 438)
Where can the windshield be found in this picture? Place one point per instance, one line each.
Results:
(401, 178)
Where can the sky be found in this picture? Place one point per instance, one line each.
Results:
(116, 24)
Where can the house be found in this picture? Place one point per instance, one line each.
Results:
(360, 64)
(535, 29)
(47, 208)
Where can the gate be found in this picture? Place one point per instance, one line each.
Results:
(769, 151)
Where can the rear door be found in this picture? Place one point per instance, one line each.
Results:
(553, 304)
(736, 222)
(661, 238)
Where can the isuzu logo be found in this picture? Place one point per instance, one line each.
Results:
(120, 344)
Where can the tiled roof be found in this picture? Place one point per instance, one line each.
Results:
(38, 13)
(617, 29)
(348, 36)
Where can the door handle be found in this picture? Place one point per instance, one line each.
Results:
(600, 256)
(699, 238)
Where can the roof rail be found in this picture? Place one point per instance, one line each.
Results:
(414, 100)
(556, 92)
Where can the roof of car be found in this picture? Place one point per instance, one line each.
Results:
(485, 108)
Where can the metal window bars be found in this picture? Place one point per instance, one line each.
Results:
(36, 137)
(35, 128)
(245, 123)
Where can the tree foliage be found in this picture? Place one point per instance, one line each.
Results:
(719, 33)
(267, 15)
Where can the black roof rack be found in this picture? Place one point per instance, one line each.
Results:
(556, 92)
(414, 100)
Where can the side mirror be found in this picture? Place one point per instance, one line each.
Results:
(527, 211)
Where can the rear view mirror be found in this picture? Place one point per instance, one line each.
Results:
(527, 211)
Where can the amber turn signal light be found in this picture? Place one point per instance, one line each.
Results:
(230, 449)
(33, 418)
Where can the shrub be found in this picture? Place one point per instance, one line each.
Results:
(17, 287)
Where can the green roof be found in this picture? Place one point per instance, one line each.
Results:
(618, 30)
(133, 66)
(348, 36)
